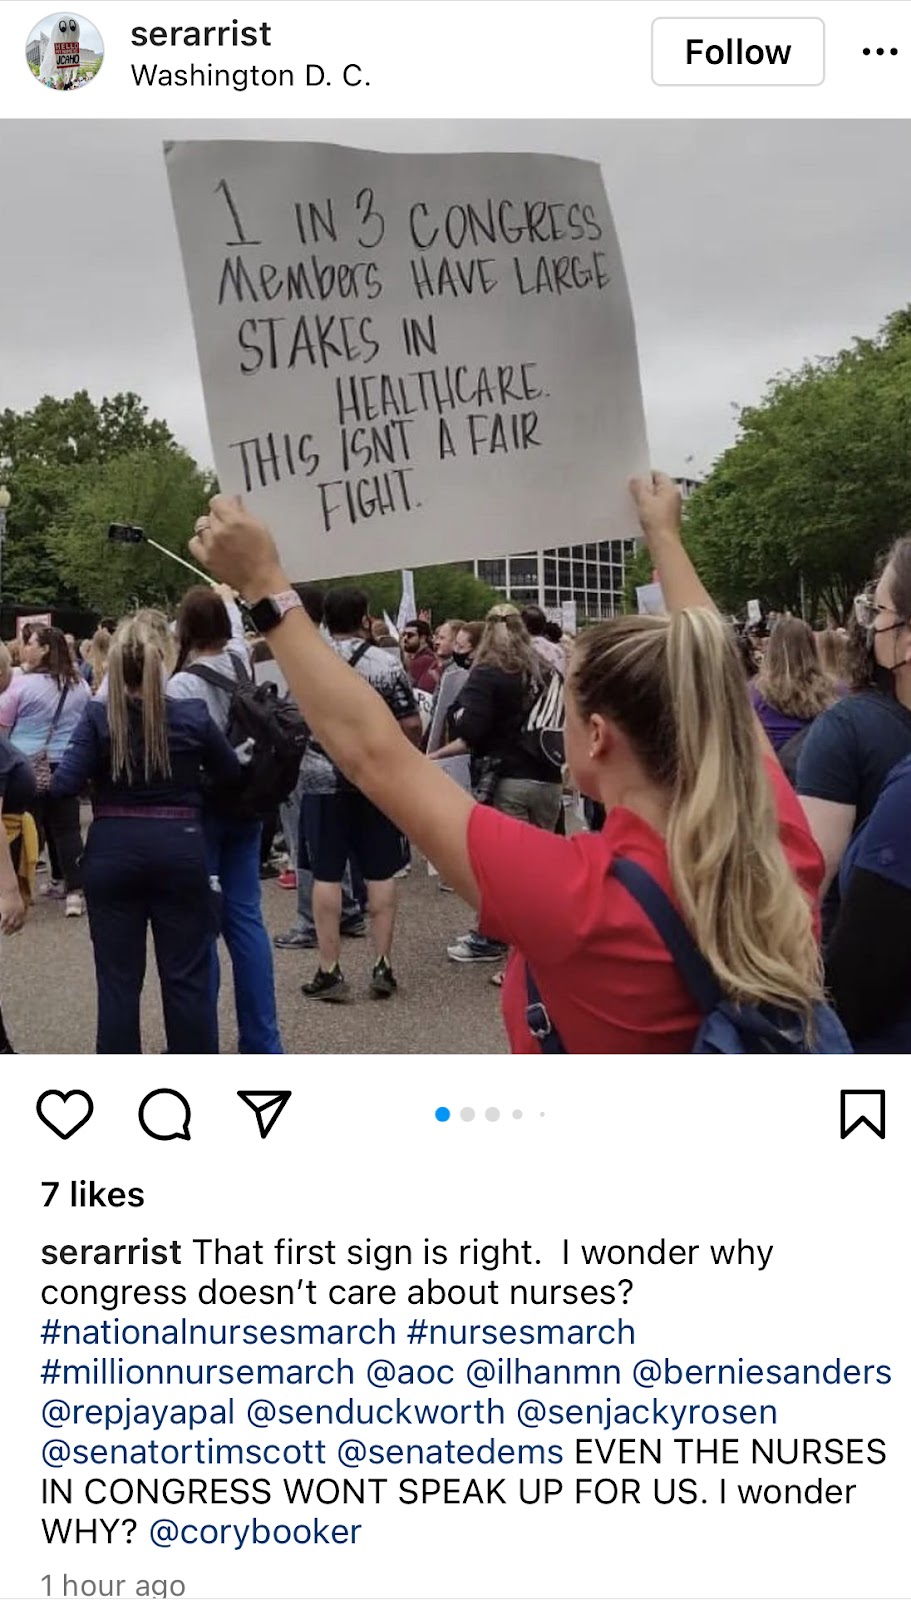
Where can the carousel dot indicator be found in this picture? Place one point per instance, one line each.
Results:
(442, 1113)
(492, 1114)
(467, 1113)
(517, 1116)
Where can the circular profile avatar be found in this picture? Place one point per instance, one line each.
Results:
(64, 50)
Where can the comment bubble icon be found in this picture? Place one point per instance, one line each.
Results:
(165, 1114)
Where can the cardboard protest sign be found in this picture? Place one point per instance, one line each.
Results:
(410, 358)
(569, 620)
(40, 619)
(650, 600)
(408, 606)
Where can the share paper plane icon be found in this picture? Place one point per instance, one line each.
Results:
(268, 1105)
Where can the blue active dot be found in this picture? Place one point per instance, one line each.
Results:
(442, 1113)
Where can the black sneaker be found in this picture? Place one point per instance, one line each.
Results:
(382, 982)
(326, 985)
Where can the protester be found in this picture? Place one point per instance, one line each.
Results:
(852, 747)
(749, 660)
(791, 688)
(423, 668)
(868, 964)
(302, 934)
(454, 666)
(832, 645)
(6, 668)
(40, 711)
(660, 730)
(488, 719)
(18, 849)
(444, 640)
(550, 651)
(99, 645)
(210, 638)
(339, 823)
(145, 859)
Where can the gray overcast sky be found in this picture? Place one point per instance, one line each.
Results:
(749, 246)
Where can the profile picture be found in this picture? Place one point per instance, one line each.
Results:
(64, 50)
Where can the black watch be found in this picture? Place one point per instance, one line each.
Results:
(268, 613)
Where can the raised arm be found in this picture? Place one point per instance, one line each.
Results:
(659, 505)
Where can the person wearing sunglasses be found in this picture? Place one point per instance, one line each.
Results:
(851, 748)
(421, 664)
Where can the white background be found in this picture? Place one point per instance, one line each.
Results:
(625, 1151)
(464, 58)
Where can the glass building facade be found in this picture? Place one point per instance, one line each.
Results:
(591, 575)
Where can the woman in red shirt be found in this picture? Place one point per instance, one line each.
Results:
(659, 729)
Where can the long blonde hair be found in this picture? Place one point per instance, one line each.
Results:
(136, 667)
(98, 656)
(676, 688)
(506, 643)
(791, 677)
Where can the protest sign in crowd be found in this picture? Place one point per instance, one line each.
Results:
(422, 357)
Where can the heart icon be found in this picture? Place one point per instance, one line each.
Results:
(63, 1119)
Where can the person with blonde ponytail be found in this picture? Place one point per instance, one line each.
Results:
(660, 730)
(146, 758)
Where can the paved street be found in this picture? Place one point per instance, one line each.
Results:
(48, 986)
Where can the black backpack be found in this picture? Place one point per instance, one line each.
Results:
(541, 734)
(279, 734)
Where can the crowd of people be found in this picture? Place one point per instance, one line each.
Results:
(743, 854)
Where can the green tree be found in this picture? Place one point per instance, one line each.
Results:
(49, 458)
(818, 484)
(444, 591)
(638, 572)
(162, 491)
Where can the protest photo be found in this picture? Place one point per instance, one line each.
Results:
(440, 546)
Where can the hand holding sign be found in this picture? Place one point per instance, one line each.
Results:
(238, 549)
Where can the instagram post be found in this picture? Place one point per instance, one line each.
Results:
(455, 605)
(329, 398)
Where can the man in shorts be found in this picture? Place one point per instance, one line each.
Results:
(339, 824)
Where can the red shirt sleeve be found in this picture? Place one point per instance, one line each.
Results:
(532, 883)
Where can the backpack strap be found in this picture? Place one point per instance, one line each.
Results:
(695, 971)
(538, 1019)
(210, 675)
(358, 654)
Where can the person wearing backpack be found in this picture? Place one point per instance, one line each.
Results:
(212, 665)
(145, 866)
(342, 825)
(509, 768)
(660, 730)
